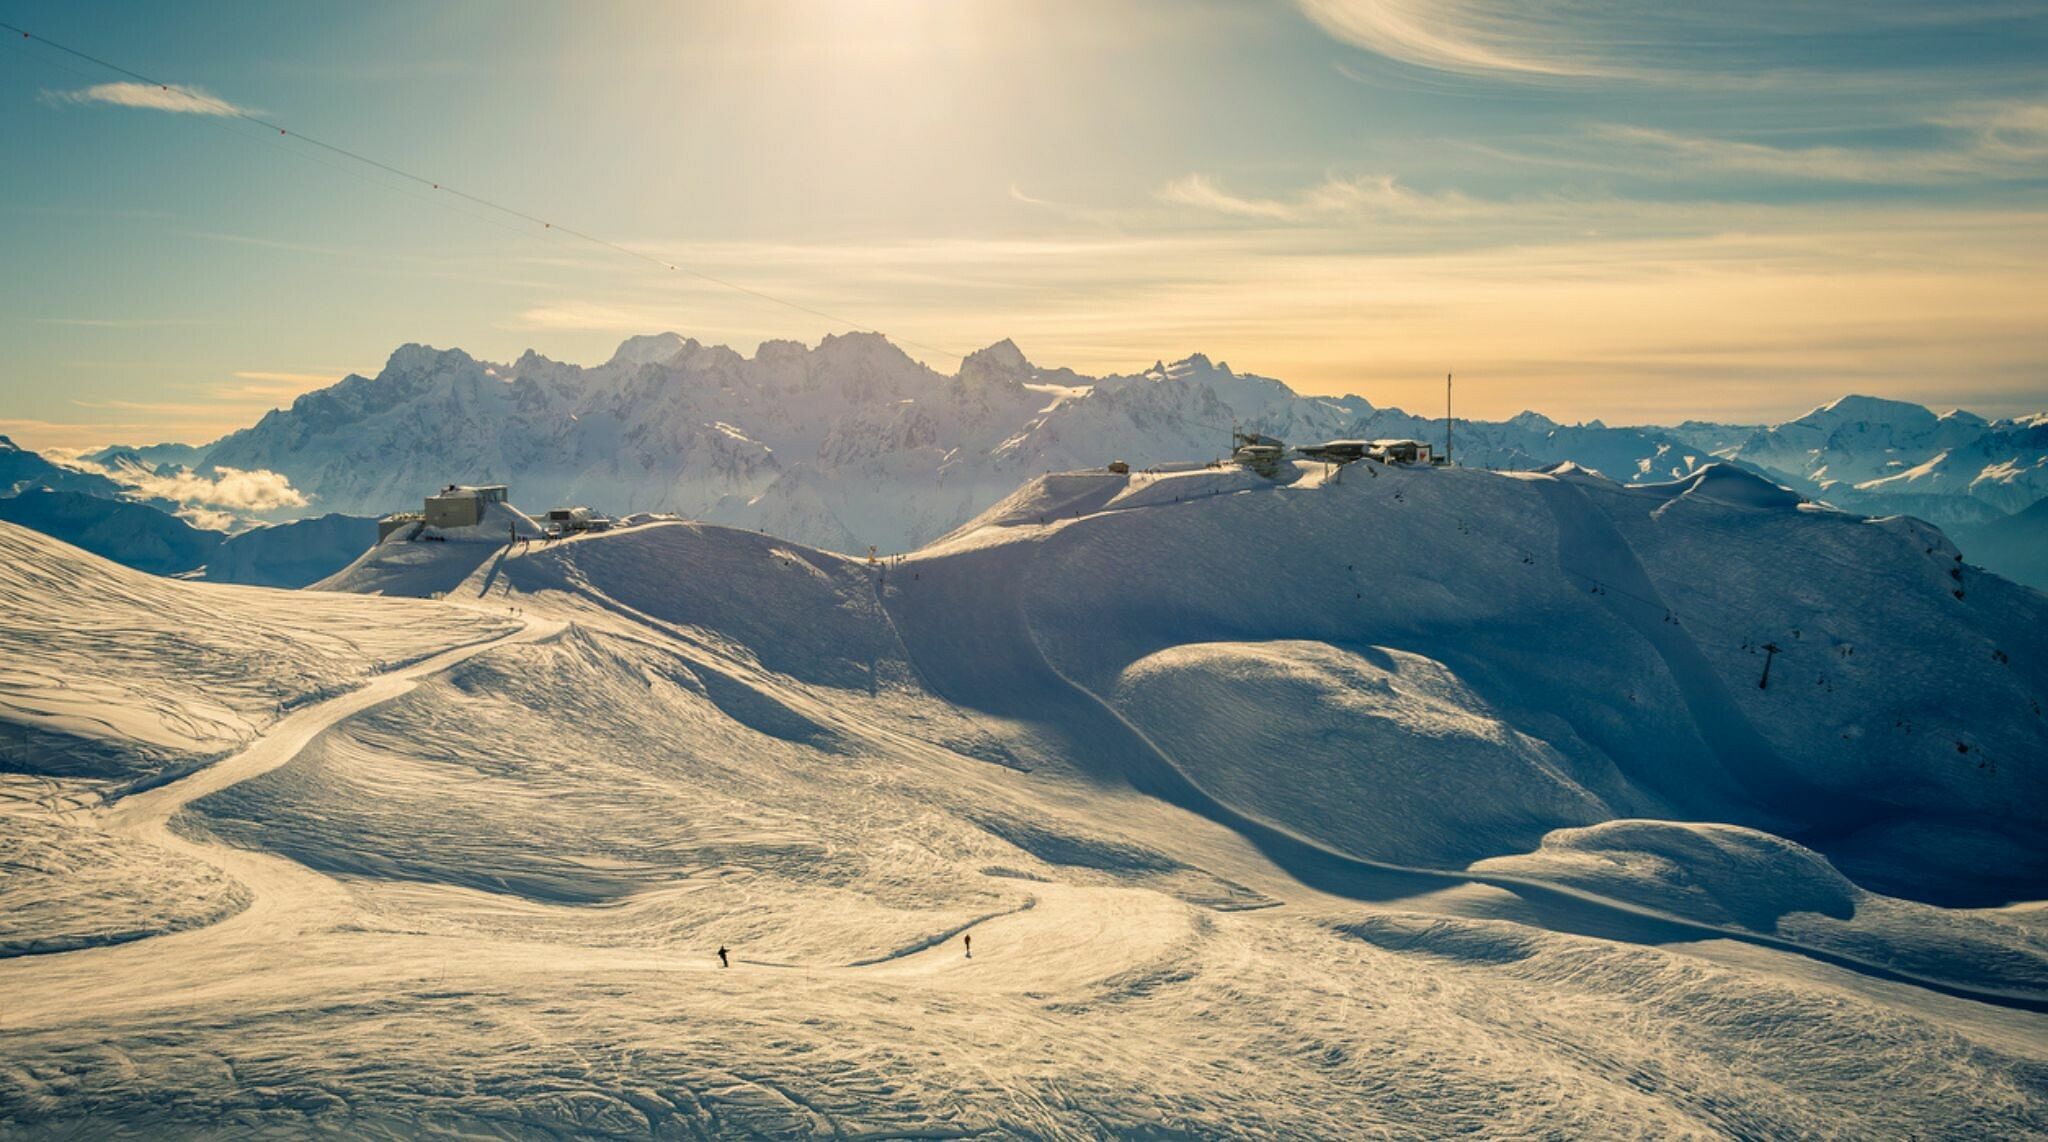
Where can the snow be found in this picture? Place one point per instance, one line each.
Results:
(133, 676)
(133, 534)
(427, 562)
(1427, 774)
(71, 885)
(1742, 877)
(1415, 801)
(851, 442)
(293, 554)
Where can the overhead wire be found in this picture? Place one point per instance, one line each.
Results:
(229, 110)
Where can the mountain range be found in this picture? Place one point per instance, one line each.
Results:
(852, 443)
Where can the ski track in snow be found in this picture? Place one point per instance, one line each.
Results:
(1112, 991)
(1561, 907)
(283, 897)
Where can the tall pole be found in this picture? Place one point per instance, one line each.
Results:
(1447, 418)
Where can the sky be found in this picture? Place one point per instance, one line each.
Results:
(1593, 208)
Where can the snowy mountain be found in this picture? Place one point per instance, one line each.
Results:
(1411, 801)
(21, 470)
(135, 534)
(848, 444)
(853, 443)
(1890, 457)
(294, 554)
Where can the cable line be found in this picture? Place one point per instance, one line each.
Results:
(233, 111)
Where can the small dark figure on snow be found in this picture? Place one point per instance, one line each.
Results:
(968, 940)
(722, 961)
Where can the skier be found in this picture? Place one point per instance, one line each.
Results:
(722, 961)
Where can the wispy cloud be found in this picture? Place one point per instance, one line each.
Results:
(585, 316)
(171, 97)
(138, 406)
(1333, 198)
(265, 386)
(1452, 36)
(1198, 191)
(67, 430)
(289, 378)
(227, 488)
(1635, 39)
(121, 322)
(207, 519)
(1017, 194)
(220, 489)
(1995, 141)
(1598, 307)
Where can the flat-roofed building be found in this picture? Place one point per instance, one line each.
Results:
(462, 505)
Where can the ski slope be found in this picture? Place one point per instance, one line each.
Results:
(110, 673)
(1376, 802)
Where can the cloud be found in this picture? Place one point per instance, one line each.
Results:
(160, 408)
(1017, 195)
(1577, 306)
(152, 97)
(69, 430)
(232, 489)
(122, 322)
(589, 317)
(2012, 130)
(249, 491)
(1462, 37)
(207, 519)
(1332, 199)
(1828, 163)
(1197, 191)
(1536, 40)
(289, 378)
(1982, 141)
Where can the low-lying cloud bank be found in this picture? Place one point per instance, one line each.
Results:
(209, 499)
(256, 491)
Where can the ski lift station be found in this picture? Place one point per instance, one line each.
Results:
(1336, 451)
(459, 505)
(454, 506)
(1401, 452)
(1384, 451)
(1257, 451)
(567, 521)
(485, 511)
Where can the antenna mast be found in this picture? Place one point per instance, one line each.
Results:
(1447, 418)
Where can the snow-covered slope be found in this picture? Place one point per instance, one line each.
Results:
(425, 562)
(1408, 801)
(132, 534)
(102, 515)
(1585, 647)
(109, 672)
(292, 554)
